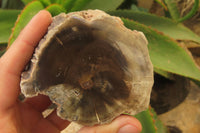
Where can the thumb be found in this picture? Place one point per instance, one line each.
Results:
(122, 124)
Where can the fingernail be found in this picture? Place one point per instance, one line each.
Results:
(128, 129)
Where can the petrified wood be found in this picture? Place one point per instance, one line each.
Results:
(92, 67)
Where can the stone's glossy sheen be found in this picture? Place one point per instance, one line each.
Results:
(92, 67)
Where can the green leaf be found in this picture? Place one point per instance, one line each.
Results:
(164, 73)
(165, 25)
(45, 3)
(68, 4)
(160, 128)
(7, 21)
(165, 53)
(146, 121)
(160, 2)
(192, 11)
(104, 5)
(28, 12)
(174, 12)
(79, 4)
(11, 4)
(150, 122)
(26, 1)
(173, 9)
(55, 9)
(139, 9)
(60, 2)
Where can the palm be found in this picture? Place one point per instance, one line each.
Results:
(25, 118)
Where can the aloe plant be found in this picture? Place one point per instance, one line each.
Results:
(173, 9)
(150, 122)
(161, 32)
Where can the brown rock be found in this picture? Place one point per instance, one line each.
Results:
(92, 67)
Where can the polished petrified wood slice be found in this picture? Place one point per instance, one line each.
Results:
(91, 67)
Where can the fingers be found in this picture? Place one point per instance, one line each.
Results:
(57, 121)
(22, 49)
(122, 124)
(40, 102)
(14, 60)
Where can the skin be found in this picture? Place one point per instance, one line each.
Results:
(26, 116)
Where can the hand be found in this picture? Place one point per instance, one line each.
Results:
(26, 116)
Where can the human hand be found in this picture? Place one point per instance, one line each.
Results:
(26, 116)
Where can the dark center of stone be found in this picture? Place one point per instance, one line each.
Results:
(82, 57)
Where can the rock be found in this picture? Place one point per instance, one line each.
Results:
(92, 67)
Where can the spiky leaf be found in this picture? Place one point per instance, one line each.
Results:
(27, 13)
(165, 25)
(165, 53)
(7, 21)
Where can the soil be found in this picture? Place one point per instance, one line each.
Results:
(185, 118)
(167, 94)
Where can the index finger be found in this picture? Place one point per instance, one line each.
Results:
(22, 49)
(12, 63)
